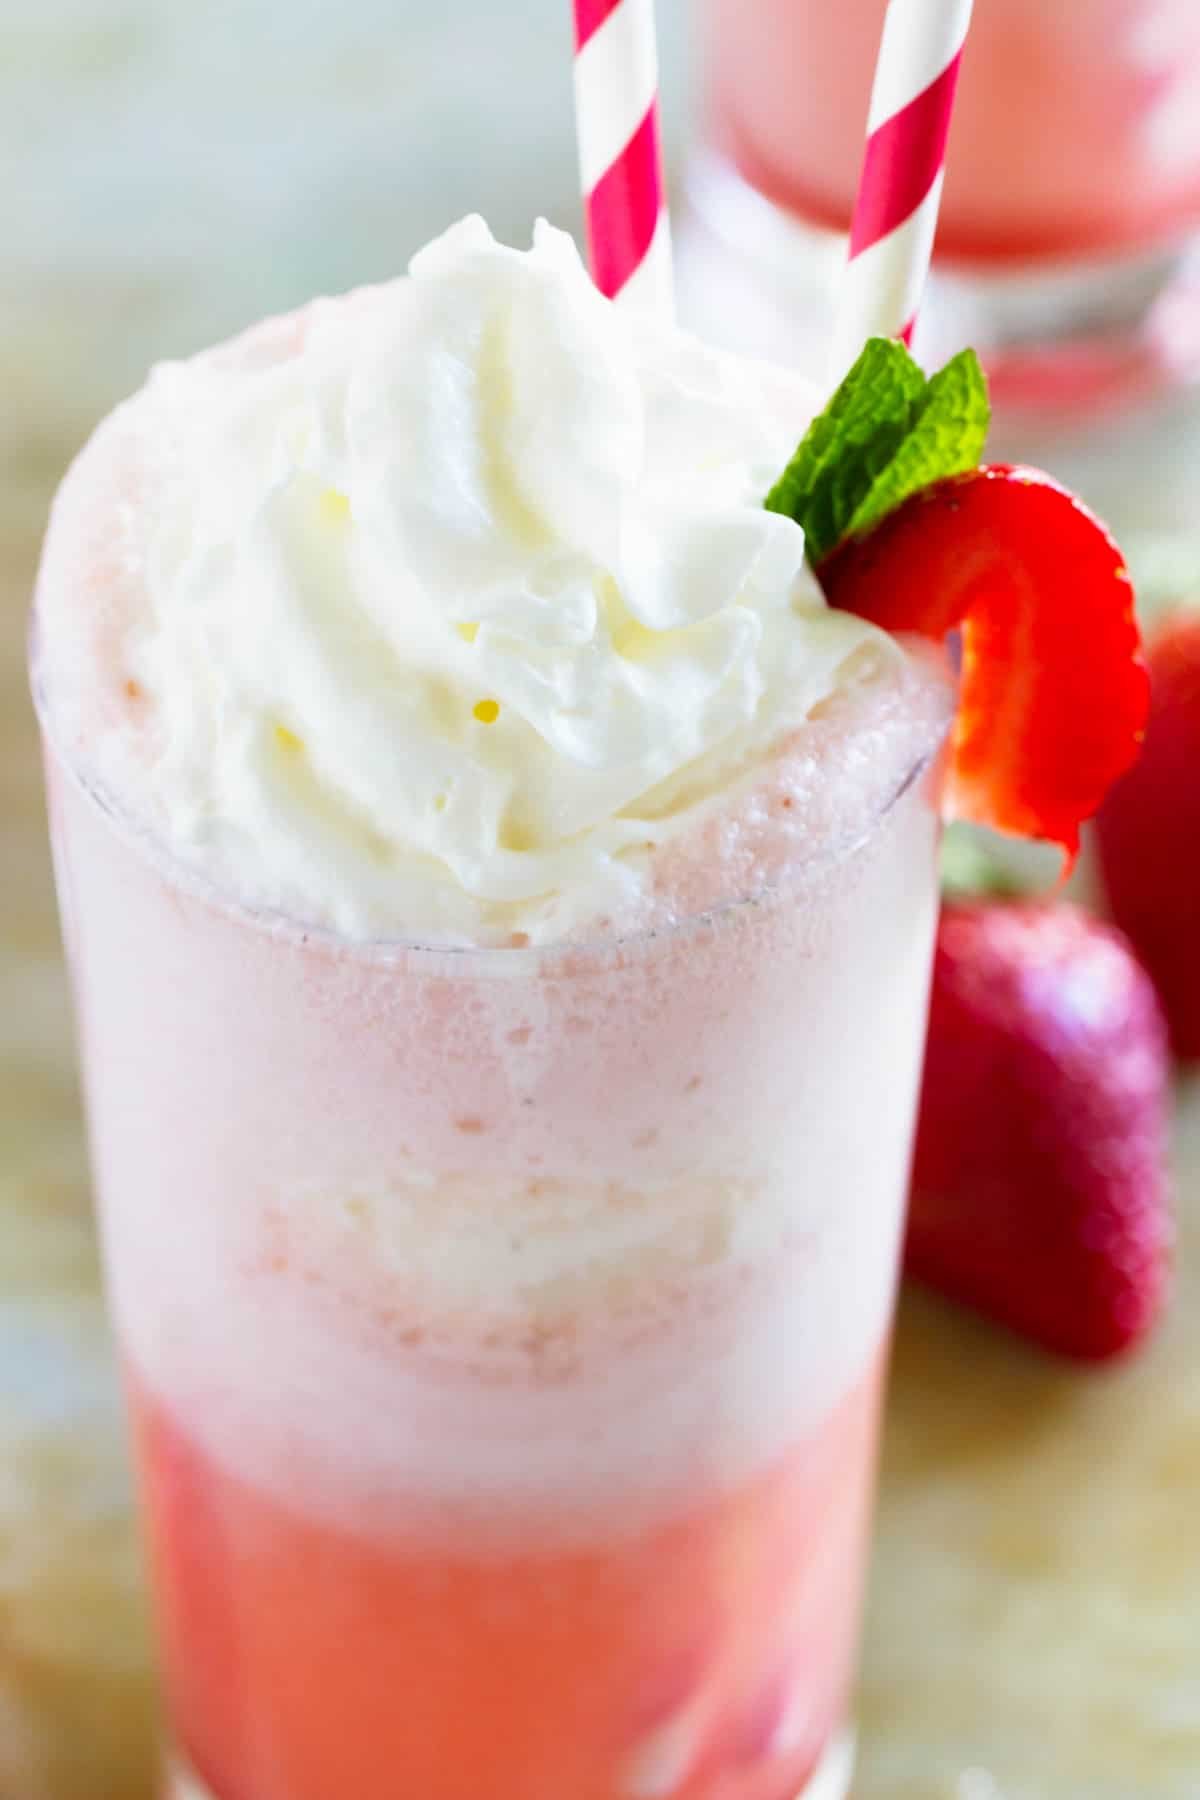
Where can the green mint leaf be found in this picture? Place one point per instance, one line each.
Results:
(947, 438)
(886, 434)
(849, 445)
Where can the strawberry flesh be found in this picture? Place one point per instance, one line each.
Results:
(1148, 832)
(1040, 1194)
(1053, 692)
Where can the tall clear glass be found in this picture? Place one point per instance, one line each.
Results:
(504, 1330)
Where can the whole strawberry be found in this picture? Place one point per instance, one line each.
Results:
(1039, 1186)
(1149, 832)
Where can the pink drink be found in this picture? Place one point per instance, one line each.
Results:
(504, 1326)
(1077, 129)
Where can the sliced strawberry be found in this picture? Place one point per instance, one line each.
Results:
(1053, 689)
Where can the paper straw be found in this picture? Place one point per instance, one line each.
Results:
(620, 154)
(895, 214)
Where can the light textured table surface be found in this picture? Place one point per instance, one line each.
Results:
(1034, 1628)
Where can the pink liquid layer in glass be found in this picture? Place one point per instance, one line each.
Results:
(1077, 129)
(707, 1659)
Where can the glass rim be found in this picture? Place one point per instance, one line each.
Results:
(510, 960)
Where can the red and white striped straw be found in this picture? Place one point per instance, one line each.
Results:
(620, 154)
(900, 189)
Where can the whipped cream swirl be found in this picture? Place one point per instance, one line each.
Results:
(459, 597)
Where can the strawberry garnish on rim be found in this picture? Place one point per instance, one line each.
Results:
(1053, 690)
(904, 527)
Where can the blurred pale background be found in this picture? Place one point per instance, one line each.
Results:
(171, 169)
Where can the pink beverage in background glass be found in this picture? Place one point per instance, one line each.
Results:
(500, 900)
(1076, 134)
(1068, 244)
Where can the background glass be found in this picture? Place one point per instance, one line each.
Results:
(1066, 249)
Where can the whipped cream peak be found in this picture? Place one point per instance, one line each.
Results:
(458, 597)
